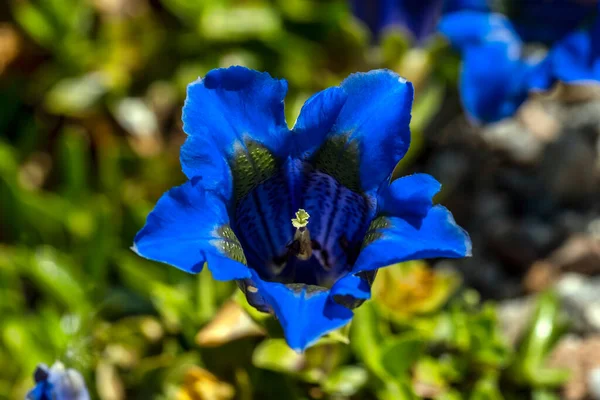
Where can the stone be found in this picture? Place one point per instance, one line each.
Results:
(594, 383)
(514, 316)
(582, 358)
(512, 137)
(579, 254)
(567, 169)
(580, 296)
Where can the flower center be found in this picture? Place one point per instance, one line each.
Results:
(315, 253)
(301, 245)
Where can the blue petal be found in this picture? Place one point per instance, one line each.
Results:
(263, 223)
(395, 239)
(469, 28)
(200, 158)
(495, 78)
(339, 219)
(576, 58)
(371, 133)
(408, 195)
(188, 227)
(39, 392)
(493, 84)
(418, 16)
(235, 104)
(316, 119)
(67, 385)
(352, 285)
(59, 383)
(542, 76)
(378, 14)
(305, 312)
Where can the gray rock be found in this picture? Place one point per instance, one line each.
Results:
(512, 137)
(568, 168)
(514, 317)
(594, 383)
(580, 296)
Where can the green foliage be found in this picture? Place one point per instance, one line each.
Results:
(90, 139)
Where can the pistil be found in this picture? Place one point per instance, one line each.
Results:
(302, 243)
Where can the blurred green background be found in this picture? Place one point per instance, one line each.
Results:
(90, 107)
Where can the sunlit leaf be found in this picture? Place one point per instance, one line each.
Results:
(229, 323)
(276, 355)
(75, 96)
(346, 381)
(401, 352)
(241, 22)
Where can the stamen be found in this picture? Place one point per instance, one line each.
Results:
(301, 219)
(303, 244)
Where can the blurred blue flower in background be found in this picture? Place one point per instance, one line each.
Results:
(419, 18)
(249, 174)
(498, 72)
(58, 383)
(549, 20)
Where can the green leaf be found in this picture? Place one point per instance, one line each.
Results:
(337, 336)
(345, 381)
(400, 353)
(545, 330)
(486, 389)
(542, 394)
(174, 304)
(52, 272)
(187, 10)
(366, 340)
(35, 23)
(394, 45)
(74, 157)
(241, 22)
(206, 297)
(18, 338)
(75, 96)
(276, 355)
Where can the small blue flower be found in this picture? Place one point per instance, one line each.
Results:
(497, 73)
(416, 17)
(58, 383)
(550, 20)
(249, 175)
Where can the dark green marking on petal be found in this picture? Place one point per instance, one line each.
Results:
(252, 165)
(310, 289)
(348, 301)
(374, 231)
(229, 244)
(352, 302)
(339, 158)
(368, 276)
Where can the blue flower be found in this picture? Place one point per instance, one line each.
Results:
(498, 73)
(416, 17)
(548, 21)
(249, 174)
(58, 383)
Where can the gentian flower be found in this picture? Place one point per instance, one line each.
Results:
(498, 73)
(58, 383)
(301, 218)
(550, 20)
(419, 18)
